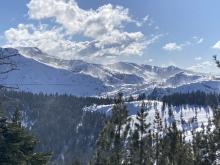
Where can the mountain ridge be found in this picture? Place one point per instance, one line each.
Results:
(81, 78)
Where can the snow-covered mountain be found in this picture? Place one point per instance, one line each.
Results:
(40, 72)
(35, 76)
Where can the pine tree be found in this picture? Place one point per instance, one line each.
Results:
(133, 148)
(216, 137)
(163, 107)
(140, 138)
(110, 149)
(16, 145)
(216, 132)
(170, 113)
(130, 99)
(158, 128)
(200, 148)
(142, 96)
(176, 151)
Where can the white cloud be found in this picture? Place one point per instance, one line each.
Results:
(143, 21)
(172, 46)
(198, 58)
(216, 45)
(50, 41)
(146, 18)
(53, 41)
(150, 60)
(198, 40)
(103, 31)
(92, 23)
(201, 67)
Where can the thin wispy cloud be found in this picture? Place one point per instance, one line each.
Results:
(173, 46)
(198, 58)
(150, 60)
(198, 40)
(202, 66)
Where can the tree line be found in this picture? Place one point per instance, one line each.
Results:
(193, 98)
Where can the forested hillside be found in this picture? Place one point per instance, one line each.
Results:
(58, 122)
(67, 127)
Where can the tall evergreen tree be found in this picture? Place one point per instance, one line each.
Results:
(110, 150)
(142, 127)
(17, 146)
(140, 139)
(158, 131)
(216, 137)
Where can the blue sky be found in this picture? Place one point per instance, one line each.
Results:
(183, 33)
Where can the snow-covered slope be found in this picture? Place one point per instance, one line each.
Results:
(189, 120)
(40, 72)
(182, 78)
(37, 77)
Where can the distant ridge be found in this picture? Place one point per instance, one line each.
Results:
(40, 72)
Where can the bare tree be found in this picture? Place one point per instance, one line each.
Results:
(216, 61)
(7, 64)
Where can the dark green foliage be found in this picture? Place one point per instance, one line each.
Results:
(194, 98)
(130, 98)
(176, 150)
(17, 146)
(142, 96)
(110, 150)
(157, 135)
(72, 133)
(59, 123)
(140, 142)
(76, 162)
